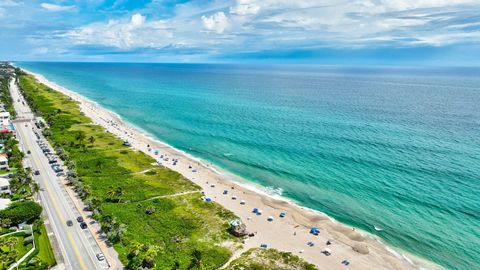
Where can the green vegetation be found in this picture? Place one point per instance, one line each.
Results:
(5, 97)
(129, 194)
(21, 183)
(13, 247)
(269, 259)
(42, 257)
(18, 212)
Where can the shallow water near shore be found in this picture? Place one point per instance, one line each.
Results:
(395, 149)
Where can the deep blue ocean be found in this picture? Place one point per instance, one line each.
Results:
(395, 148)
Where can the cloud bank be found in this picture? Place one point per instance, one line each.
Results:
(214, 27)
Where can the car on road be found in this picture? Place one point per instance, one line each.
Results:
(28, 152)
(83, 225)
(80, 219)
(36, 172)
(56, 168)
(69, 223)
(100, 257)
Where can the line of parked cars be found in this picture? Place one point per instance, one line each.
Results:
(52, 159)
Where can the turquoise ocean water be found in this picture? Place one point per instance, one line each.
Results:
(394, 148)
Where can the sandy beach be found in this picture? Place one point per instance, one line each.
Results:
(290, 233)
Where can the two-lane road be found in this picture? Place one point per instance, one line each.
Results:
(76, 245)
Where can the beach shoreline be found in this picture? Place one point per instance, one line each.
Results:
(293, 228)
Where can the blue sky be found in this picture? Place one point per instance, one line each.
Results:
(426, 32)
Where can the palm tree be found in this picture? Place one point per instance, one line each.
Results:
(35, 187)
(135, 249)
(196, 261)
(4, 223)
(99, 164)
(112, 192)
(120, 193)
(11, 242)
(150, 254)
(80, 137)
(3, 258)
(91, 140)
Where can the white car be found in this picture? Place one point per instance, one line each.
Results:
(100, 257)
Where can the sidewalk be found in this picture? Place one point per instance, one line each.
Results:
(111, 256)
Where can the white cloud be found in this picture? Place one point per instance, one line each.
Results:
(137, 19)
(256, 25)
(53, 7)
(245, 7)
(124, 34)
(10, 3)
(5, 4)
(218, 22)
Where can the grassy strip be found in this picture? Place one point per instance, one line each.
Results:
(180, 232)
(45, 251)
(269, 259)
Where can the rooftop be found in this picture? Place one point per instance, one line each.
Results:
(4, 203)
(4, 182)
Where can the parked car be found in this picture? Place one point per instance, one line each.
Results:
(80, 219)
(69, 223)
(60, 174)
(83, 225)
(100, 257)
(36, 172)
(56, 168)
(28, 152)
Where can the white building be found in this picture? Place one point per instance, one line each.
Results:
(4, 116)
(4, 203)
(4, 185)
(3, 163)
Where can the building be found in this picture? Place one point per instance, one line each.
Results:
(5, 116)
(4, 185)
(4, 203)
(3, 163)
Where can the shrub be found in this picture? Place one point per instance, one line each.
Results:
(19, 212)
(28, 240)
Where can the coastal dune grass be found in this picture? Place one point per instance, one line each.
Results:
(269, 259)
(178, 226)
(140, 186)
(184, 227)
